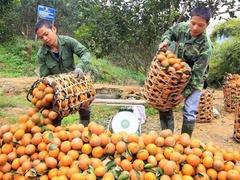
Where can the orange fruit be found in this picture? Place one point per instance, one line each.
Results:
(159, 141)
(86, 149)
(109, 149)
(84, 163)
(65, 146)
(100, 171)
(30, 149)
(233, 174)
(170, 168)
(132, 138)
(23, 118)
(7, 148)
(97, 152)
(105, 139)
(3, 159)
(133, 147)
(15, 163)
(185, 139)
(148, 139)
(51, 162)
(187, 169)
(142, 154)
(19, 134)
(149, 176)
(212, 173)
(115, 138)
(66, 160)
(52, 173)
(228, 166)
(95, 140)
(222, 175)
(169, 141)
(126, 165)
(176, 157)
(121, 147)
(95, 162)
(152, 149)
(138, 165)
(193, 160)
(218, 165)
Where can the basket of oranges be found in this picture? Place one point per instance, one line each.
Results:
(236, 134)
(166, 80)
(231, 91)
(205, 107)
(63, 94)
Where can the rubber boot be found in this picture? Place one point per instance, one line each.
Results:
(167, 120)
(84, 116)
(188, 126)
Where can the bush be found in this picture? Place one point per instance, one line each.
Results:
(225, 59)
(227, 29)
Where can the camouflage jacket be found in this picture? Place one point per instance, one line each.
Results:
(195, 51)
(63, 63)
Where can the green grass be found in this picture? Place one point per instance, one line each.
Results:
(11, 107)
(13, 101)
(99, 113)
(117, 75)
(18, 58)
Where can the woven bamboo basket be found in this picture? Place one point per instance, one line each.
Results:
(166, 80)
(236, 134)
(69, 94)
(205, 108)
(231, 90)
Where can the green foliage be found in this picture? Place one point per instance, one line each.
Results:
(229, 29)
(125, 32)
(225, 59)
(18, 57)
(6, 9)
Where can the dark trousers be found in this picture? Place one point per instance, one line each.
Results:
(84, 115)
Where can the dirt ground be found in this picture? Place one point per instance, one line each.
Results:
(219, 131)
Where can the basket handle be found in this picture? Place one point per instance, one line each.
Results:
(31, 90)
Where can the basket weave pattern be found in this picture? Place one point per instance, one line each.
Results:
(205, 108)
(236, 134)
(164, 85)
(70, 93)
(231, 91)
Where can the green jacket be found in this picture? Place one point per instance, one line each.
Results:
(196, 51)
(50, 64)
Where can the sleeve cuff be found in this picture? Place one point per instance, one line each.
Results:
(187, 91)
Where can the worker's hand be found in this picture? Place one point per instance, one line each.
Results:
(78, 72)
(163, 46)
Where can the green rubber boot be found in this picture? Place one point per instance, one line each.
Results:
(188, 126)
(167, 120)
(84, 116)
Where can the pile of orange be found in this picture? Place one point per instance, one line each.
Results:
(76, 152)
